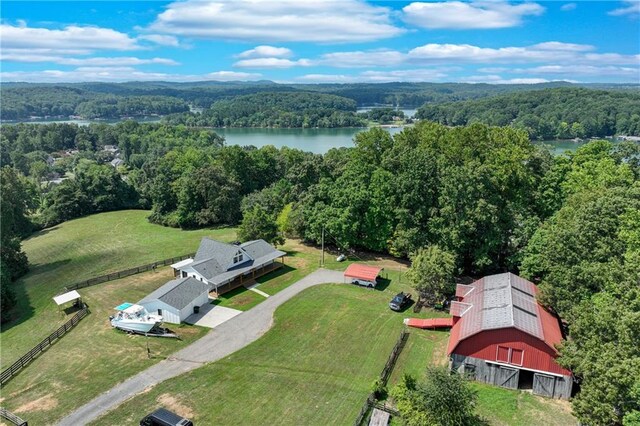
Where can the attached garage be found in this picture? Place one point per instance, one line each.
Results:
(176, 300)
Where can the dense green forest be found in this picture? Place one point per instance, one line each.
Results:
(485, 195)
(563, 113)
(109, 100)
(59, 101)
(281, 109)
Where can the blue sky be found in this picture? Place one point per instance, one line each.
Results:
(318, 41)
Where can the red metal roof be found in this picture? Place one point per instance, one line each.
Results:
(429, 323)
(363, 272)
(503, 301)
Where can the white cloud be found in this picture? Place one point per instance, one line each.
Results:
(119, 74)
(474, 15)
(586, 70)
(23, 56)
(496, 79)
(368, 58)
(323, 21)
(69, 39)
(413, 75)
(271, 63)
(266, 52)
(557, 45)
(543, 52)
(630, 8)
(568, 7)
(162, 40)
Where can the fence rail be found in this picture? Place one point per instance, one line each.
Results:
(25, 359)
(12, 417)
(127, 272)
(371, 401)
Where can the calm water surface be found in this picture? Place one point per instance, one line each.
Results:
(317, 141)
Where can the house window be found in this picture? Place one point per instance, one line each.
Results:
(160, 312)
(238, 258)
(516, 356)
(509, 355)
(184, 274)
(502, 354)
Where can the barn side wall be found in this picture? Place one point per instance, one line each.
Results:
(509, 376)
(536, 354)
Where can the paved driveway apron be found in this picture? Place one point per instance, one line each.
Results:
(220, 342)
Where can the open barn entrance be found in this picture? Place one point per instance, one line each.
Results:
(526, 380)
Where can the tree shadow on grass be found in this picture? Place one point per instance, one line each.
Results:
(274, 274)
(23, 310)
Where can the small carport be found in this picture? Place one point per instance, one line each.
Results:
(70, 296)
(367, 273)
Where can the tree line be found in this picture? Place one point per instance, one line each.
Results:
(24, 103)
(473, 200)
(281, 109)
(561, 113)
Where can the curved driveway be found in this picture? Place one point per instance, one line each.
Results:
(220, 342)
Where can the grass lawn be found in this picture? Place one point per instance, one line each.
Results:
(82, 249)
(509, 407)
(92, 357)
(315, 366)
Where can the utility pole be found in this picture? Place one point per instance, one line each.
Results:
(323, 246)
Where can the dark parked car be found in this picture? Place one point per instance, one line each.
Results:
(400, 301)
(162, 417)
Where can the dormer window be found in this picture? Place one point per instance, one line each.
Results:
(238, 258)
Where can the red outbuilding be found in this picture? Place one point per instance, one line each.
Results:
(362, 274)
(502, 336)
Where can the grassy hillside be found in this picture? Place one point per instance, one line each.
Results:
(81, 249)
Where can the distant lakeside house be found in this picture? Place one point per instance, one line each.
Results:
(224, 266)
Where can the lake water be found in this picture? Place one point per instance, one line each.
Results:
(317, 141)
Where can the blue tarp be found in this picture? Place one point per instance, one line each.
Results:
(123, 306)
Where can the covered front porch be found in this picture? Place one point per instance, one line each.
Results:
(244, 278)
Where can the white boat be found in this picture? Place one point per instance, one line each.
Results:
(135, 318)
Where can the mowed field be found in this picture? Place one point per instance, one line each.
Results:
(81, 249)
(314, 367)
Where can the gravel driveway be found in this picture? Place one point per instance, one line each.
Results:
(220, 342)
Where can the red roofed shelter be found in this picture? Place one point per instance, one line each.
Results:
(502, 336)
(363, 274)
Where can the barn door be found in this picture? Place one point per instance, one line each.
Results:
(507, 377)
(544, 385)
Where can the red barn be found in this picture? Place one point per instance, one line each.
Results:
(502, 336)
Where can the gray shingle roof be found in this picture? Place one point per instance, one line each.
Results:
(178, 293)
(214, 259)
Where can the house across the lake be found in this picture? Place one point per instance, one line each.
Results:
(224, 266)
(502, 336)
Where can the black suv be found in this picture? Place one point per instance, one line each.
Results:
(400, 301)
(162, 417)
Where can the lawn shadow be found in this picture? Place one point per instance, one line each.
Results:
(42, 268)
(275, 274)
(383, 284)
(41, 232)
(23, 309)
